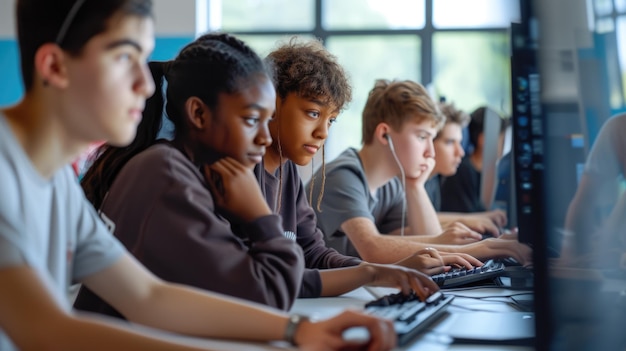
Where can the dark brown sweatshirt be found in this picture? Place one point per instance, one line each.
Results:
(166, 217)
(300, 223)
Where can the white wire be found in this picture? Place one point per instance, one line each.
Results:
(67, 22)
(403, 180)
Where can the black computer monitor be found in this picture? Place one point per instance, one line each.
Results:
(527, 152)
(577, 306)
(527, 122)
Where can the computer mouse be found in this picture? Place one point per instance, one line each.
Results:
(356, 334)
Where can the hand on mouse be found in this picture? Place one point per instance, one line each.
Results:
(328, 334)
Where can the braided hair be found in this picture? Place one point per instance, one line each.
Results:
(213, 64)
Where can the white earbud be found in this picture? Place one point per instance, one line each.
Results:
(403, 180)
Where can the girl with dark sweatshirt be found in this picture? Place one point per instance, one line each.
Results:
(171, 211)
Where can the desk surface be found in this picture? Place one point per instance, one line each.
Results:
(435, 339)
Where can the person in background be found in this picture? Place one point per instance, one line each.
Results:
(86, 79)
(595, 216)
(448, 155)
(367, 191)
(461, 191)
(311, 90)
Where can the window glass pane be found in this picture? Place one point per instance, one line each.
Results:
(373, 14)
(264, 44)
(605, 25)
(367, 58)
(248, 15)
(475, 13)
(620, 6)
(472, 69)
(603, 7)
(621, 49)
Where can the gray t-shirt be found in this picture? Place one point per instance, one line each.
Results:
(607, 158)
(606, 169)
(346, 196)
(48, 224)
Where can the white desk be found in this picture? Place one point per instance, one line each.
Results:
(435, 339)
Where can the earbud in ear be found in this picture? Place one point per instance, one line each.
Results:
(389, 142)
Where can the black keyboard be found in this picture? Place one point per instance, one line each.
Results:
(410, 315)
(462, 276)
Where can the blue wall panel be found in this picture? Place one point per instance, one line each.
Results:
(11, 88)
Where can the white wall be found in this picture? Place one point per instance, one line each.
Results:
(173, 17)
(7, 23)
(563, 29)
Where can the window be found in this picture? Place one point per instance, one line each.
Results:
(472, 69)
(264, 44)
(603, 7)
(457, 47)
(388, 57)
(373, 14)
(254, 15)
(475, 14)
(613, 21)
(621, 49)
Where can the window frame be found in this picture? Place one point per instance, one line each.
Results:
(424, 34)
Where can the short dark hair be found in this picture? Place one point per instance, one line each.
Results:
(309, 70)
(40, 21)
(477, 123)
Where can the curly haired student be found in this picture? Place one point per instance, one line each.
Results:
(312, 89)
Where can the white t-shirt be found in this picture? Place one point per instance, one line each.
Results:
(48, 224)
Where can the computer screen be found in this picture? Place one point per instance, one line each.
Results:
(579, 303)
(492, 150)
(527, 154)
(527, 123)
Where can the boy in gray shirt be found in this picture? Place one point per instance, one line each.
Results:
(367, 191)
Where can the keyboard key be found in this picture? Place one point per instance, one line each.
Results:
(462, 276)
(410, 315)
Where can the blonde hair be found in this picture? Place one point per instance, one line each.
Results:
(396, 102)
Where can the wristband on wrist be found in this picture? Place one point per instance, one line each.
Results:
(292, 326)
